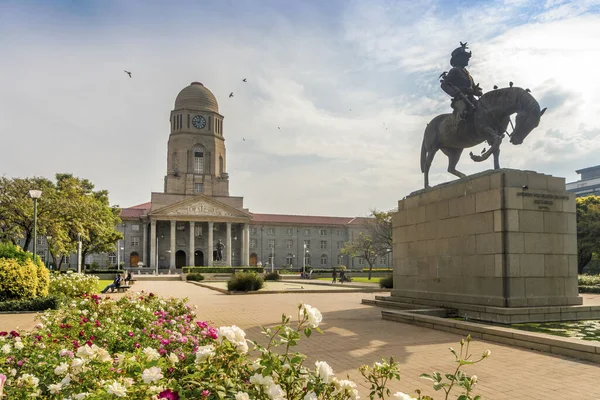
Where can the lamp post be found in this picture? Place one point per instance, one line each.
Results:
(35, 195)
(304, 260)
(48, 239)
(272, 259)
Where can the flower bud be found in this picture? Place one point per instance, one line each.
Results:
(473, 380)
(486, 354)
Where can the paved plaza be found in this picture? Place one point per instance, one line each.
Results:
(355, 334)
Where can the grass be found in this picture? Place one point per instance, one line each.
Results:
(102, 284)
(365, 279)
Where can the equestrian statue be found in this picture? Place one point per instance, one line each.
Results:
(476, 121)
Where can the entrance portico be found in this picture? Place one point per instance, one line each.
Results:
(192, 227)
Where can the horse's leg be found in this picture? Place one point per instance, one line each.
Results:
(494, 139)
(453, 157)
(496, 155)
(428, 161)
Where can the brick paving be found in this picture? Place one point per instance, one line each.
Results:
(355, 334)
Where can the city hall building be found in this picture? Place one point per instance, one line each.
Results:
(195, 214)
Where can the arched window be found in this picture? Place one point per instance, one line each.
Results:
(112, 258)
(220, 165)
(323, 259)
(307, 260)
(198, 161)
(340, 260)
(289, 259)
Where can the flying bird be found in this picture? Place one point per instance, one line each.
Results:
(510, 84)
(231, 94)
(278, 127)
(128, 73)
(244, 80)
(244, 139)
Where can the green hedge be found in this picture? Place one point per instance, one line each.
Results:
(272, 276)
(222, 270)
(589, 289)
(588, 280)
(387, 282)
(245, 282)
(378, 270)
(104, 271)
(39, 304)
(20, 276)
(195, 277)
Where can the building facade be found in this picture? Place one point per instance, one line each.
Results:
(195, 215)
(589, 184)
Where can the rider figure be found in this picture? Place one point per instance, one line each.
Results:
(458, 81)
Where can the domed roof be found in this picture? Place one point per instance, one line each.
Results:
(196, 97)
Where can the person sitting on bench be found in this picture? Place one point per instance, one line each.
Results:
(115, 285)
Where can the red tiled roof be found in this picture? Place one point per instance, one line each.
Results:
(135, 211)
(304, 219)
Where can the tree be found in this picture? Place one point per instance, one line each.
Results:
(363, 247)
(379, 227)
(588, 229)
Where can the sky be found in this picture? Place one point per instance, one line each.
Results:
(351, 84)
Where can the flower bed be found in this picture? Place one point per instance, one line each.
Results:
(146, 347)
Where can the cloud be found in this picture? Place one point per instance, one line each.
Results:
(350, 85)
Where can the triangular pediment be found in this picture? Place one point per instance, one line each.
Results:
(200, 206)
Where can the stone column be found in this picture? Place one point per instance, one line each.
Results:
(245, 246)
(209, 256)
(153, 248)
(192, 258)
(145, 244)
(228, 244)
(173, 244)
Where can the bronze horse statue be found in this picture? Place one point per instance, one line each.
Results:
(487, 123)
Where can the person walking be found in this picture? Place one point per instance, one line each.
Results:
(334, 276)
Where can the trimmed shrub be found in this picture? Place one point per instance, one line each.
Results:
(103, 271)
(221, 270)
(589, 289)
(43, 285)
(17, 281)
(378, 270)
(589, 280)
(10, 251)
(195, 277)
(39, 304)
(245, 282)
(72, 284)
(272, 276)
(387, 282)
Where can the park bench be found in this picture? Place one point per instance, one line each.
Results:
(123, 288)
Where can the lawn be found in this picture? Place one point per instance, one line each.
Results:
(357, 279)
(102, 284)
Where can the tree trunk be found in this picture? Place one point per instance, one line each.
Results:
(27, 241)
(584, 256)
(370, 269)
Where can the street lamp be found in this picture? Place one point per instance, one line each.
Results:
(48, 239)
(35, 195)
(304, 260)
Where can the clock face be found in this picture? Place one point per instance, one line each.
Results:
(199, 122)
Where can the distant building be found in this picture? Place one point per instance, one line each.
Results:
(589, 184)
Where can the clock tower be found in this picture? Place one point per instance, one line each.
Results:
(196, 159)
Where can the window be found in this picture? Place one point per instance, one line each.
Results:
(382, 260)
(289, 259)
(337, 232)
(89, 259)
(323, 232)
(198, 188)
(271, 259)
(289, 231)
(135, 241)
(40, 240)
(270, 231)
(361, 261)
(340, 260)
(112, 258)
(198, 162)
(306, 232)
(271, 243)
(323, 244)
(135, 227)
(188, 120)
(340, 244)
(221, 166)
(197, 230)
(307, 244)
(324, 259)
(253, 231)
(175, 161)
(42, 256)
(289, 244)
(66, 260)
(252, 243)
(307, 260)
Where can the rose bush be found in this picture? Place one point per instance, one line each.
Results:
(145, 347)
(72, 284)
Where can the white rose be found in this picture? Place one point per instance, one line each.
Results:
(152, 374)
(324, 371)
(235, 335)
(85, 351)
(81, 396)
(173, 358)
(117, 389)
(54, 388)
(156, 389)
(76, 362)
(349, 387)
(204, 352)
(311, 396)
(151, 354)
(19, 345)
(61, 369)
(275, 392)
(6, 349)
(312, 314)
(402, 396)
(242, 396)
(259, 380)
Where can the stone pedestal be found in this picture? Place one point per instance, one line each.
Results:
(502, 238)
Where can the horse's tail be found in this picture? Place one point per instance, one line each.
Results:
(429, 140)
